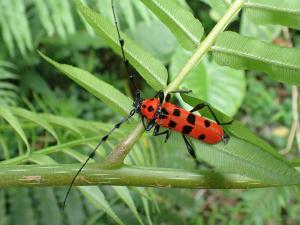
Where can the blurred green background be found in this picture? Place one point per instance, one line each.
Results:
(55, 28)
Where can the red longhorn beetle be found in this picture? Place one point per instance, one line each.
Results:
(160, 112)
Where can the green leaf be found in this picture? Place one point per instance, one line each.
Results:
(48, 215)
(97, 198)
(6, 33)
(283, 12)
(220, 6)
(34, 117)
(8, 94)
(5, 150)
(61, 121)
(197, 80)
(242, 132)
(95, 127)
(41, 159)
(245, 158)
(3, 209)
(124, 194)
(150, 69)
(266, 33)
(13, 121)
(127, 6)
(4, 74)
(78, 155)
(44, 16)
(74, 211)
(61, 17)
(93, 194)
(147, 209)
(227, 88)
(187, 29)
(5, 85)
(66, 16)
(7, 65)
(21, 208)
(13, 12)
(156, 39)
(143, 11)
(222, 87)
(234, 50)
(108, 94)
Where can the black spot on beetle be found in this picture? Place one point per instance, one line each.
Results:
(176, 112)
(144, 106)
(172, 124)
(163, 117)
(191, 118)
(164, 112)
(201, 137)
(151, 99)
(187, 129)
(206, 123)
(150, 108)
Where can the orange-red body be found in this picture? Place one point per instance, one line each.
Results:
(182, 121)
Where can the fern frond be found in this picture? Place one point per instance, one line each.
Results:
(8, 89)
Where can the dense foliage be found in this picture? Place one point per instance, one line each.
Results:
(48, 119)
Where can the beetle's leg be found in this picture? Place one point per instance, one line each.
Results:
(150, 125)
(168, 96)
(203, 105)
(190, 149)
(157, 133)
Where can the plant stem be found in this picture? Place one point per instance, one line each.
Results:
(206, 44)
(59, 175)
(118, 155)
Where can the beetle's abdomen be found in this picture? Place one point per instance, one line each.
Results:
(195, 126)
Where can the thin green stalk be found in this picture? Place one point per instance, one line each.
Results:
(118, 155)
(24, 126)
(59, 175)
(206, 44)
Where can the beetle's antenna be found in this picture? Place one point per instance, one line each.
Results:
(122, 43)
(92, 154)
(132, 112)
